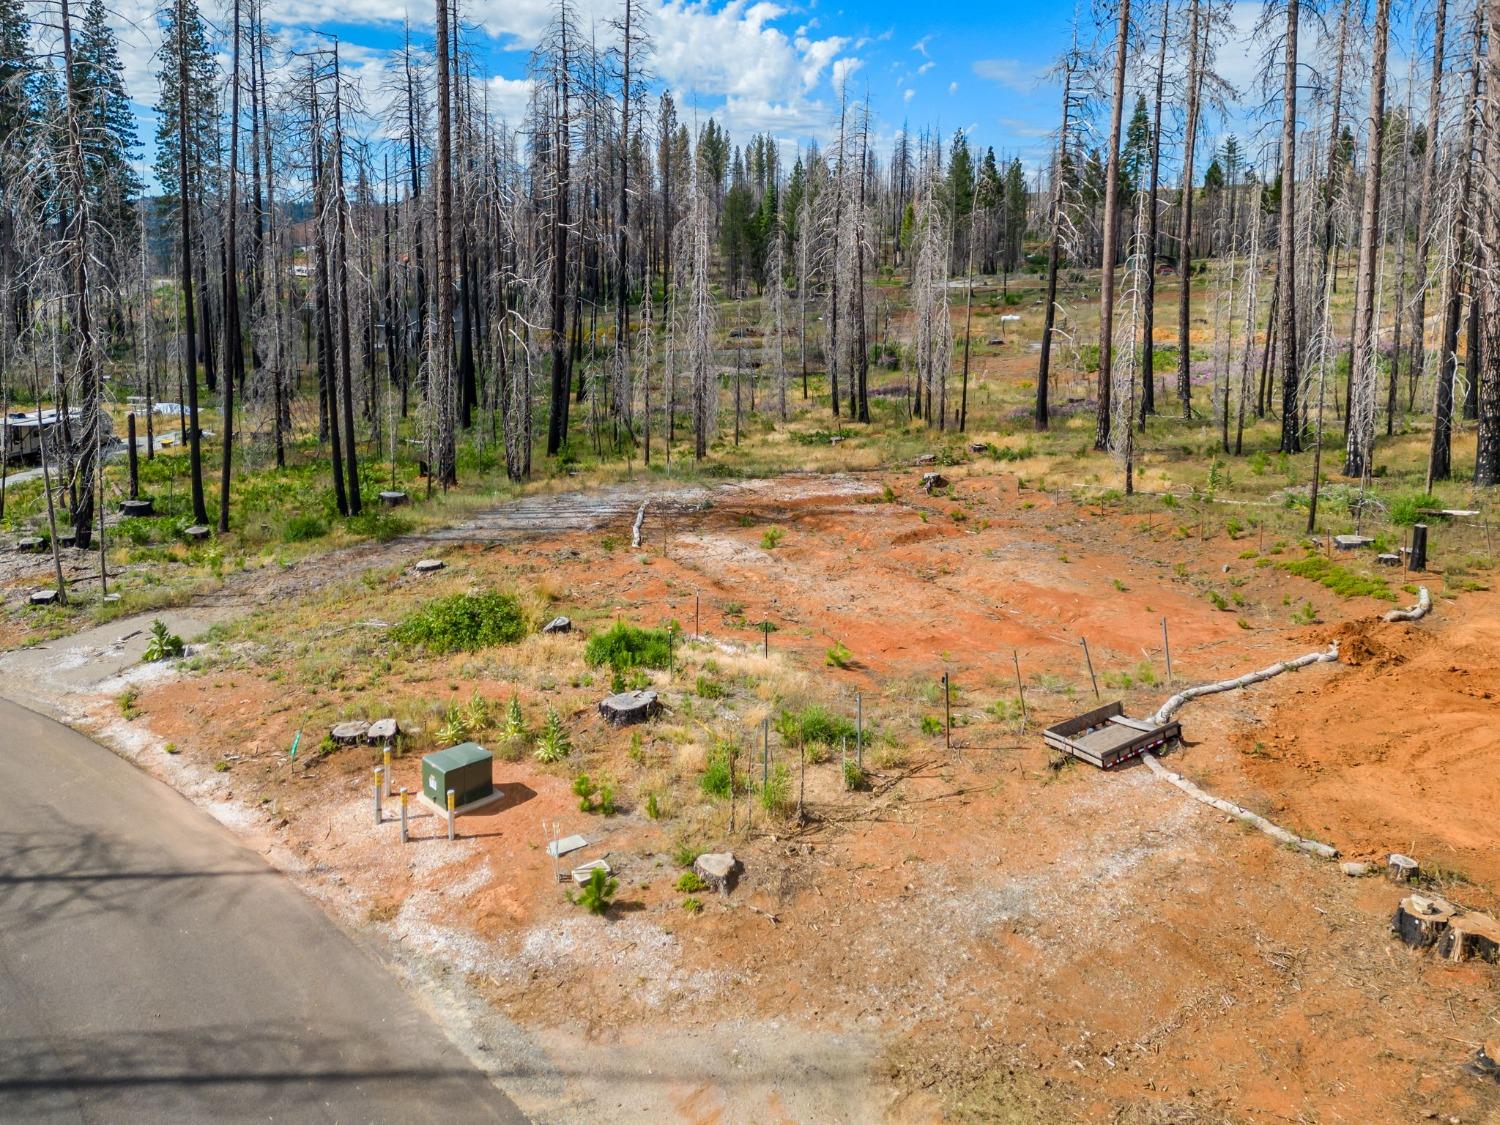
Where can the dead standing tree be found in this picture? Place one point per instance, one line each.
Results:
(1111, 231)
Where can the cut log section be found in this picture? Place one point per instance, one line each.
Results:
(140, 507)
(558, 625)
(931, 481)
(394, 499)
(1421, 921)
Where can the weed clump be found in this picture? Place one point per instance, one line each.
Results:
(163, 645)
(553, 744)
(1344, 583)
(623, 646)
(464, 623)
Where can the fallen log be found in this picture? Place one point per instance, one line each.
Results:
(1174, 704)
(1421, 609)
(635, 532)
(1255, 820)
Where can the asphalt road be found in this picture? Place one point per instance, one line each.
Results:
(153, 970)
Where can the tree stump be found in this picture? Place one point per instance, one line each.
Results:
(933, 480)
(1421, 921)
(32, 544)
(629, 707)
(67, 539)
(1486, 1062)
(1355, 869)
(926, 459)
(382, 731)
(1401, 868)
(347, 734)
(1471, 936)
(198, 532)
(718, 869)
(394, 499)
(558, 625)
(1388, 559)
(429, 566)
(43, 597)
(137, 507)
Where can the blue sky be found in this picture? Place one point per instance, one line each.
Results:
(755, 66)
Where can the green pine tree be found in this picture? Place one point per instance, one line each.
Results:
(181, 17)
(107, 124)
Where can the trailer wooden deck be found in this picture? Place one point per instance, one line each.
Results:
(1106, 736)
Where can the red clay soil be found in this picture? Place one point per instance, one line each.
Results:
(1021, 943)
(1401, 750)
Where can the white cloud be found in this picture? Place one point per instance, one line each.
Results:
(1011, 73)
(926, 66)
(953, 87)
(920, 46)
(907, 94)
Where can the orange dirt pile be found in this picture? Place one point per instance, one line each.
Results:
(1399, 752)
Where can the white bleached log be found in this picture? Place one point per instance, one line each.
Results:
(1275, 831)
(635, 532)
(1174, 704)
(1424, 604)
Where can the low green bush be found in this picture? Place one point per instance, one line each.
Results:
(464, 623)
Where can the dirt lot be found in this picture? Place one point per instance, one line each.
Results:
(978, 935)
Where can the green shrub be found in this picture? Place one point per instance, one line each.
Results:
(623, 646)
(690, 883)
(596, 895)
(301, 528)
(553, 744)
(814, 725)
(163, 645)
(771, 537)
(718, 778)
(1405, 508)
(380, 524)
(932, 725)
(838, 656)
(693, 905)
(854, 775)
(776, 792)
(464, 623)
(708, 688)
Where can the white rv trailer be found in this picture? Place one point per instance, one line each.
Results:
(25, 429)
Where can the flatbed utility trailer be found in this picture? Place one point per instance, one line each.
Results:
(1106, 736)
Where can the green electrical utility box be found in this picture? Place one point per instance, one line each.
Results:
(467, 769)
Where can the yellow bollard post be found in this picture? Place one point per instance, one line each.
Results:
(379, 783)
(451, 834)
(403, 814)
(385, 758)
